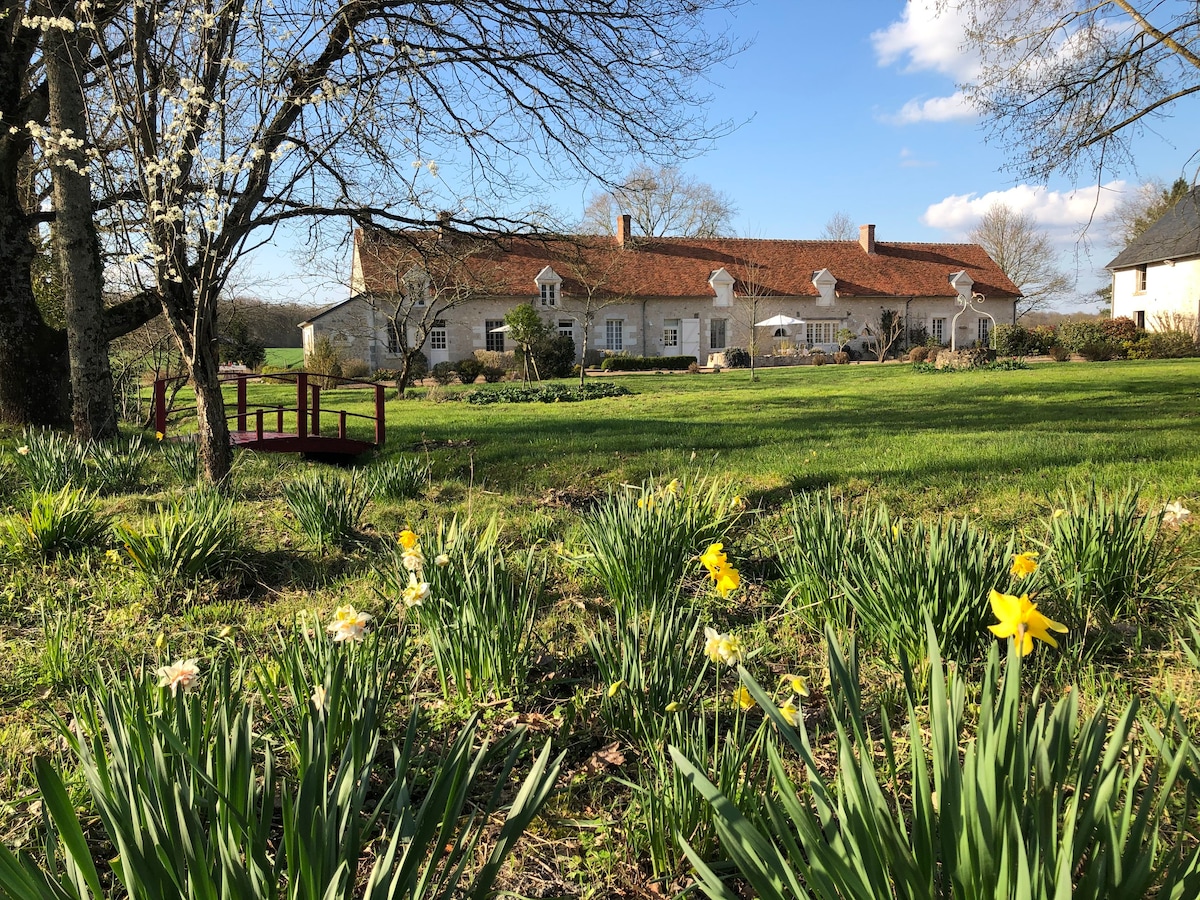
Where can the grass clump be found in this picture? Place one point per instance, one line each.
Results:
(60, 523)
(400, 478)
(196, 535)
(328, 508)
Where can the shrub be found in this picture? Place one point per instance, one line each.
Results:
(443, 373)
(1043, 337)
(918, 354)
(647, 363)
(327, 507)
(1013, 340)
(505, 361)
(1074, 334)
(934, 353)
(1059, 353)
(418, 367)
(921, 812)
(1098, 351)
(396, 479)
(196, 535)
(1171, 344)
(491, 374)
(555, 356)
(737, 358)
(468, 370)
(818, 358)
(56, 524)
(694, 368)
(324, 359)
(842, 358)
(355, 368)
(1119, 330)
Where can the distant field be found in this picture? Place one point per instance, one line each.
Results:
(285, 356)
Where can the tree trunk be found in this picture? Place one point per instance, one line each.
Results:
(33, 356)
(212, 428)
(93, 408)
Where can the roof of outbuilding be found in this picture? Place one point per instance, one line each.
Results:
(681, 267)
(1175, 235)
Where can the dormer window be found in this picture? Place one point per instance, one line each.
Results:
(826, 284)
(416, 286)
(722, 284)
(549, 283)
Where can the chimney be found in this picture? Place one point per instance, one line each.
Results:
(624, 223)
(866, 238)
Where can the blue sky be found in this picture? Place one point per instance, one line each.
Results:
(851, 106)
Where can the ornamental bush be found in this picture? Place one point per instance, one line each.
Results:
(649, 363)
(737, 358)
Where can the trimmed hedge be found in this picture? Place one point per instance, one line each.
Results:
(645, 363)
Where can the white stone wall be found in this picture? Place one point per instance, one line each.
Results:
(359, 330)
(1171, 291)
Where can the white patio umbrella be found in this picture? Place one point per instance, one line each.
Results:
(778, 322)
(500, 330)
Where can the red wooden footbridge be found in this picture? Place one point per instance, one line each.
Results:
(262, 427)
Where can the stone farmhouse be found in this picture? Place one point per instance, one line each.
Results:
(1156, 279)
(449, 292)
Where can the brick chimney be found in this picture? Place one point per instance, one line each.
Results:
(866, 238)
(624, 224)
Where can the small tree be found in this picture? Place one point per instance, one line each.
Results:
(528, 330)
(883, 332)
(1024, 253)
(661, 200)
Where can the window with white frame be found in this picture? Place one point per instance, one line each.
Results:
(937, 330)
(393, 338)
(670, 333)
(566, 328)
(985, 332)
(821, 332)
(548, 282)
(437, 335)
(493, 339)
(1139, 276)
(614, 334)
(716, 334)
(549, 293)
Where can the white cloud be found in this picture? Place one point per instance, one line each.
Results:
(908, 160)
(1064, 214)
(935, 109)
(926, 39)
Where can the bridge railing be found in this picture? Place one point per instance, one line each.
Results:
(307, 409)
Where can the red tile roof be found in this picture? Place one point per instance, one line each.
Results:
(681, 267)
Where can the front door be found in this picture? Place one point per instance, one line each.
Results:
(689, 338)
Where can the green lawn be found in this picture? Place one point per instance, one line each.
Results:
(996, 442)
(291, 357)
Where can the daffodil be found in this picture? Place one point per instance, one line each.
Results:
(181, 674)
(1058, 513)
(674, 706)
(158, 435)
(1024, 564)
(790, 712)
(413, 559)
(673, 487)
(1020, 619)
(797, 683)
(726, 648)
(24, 451)
(441, 560)
(727, 580)
(714, 557)
(416, 593)
(615, 687)
(320, 697)
(1175, 514)
(348, 624)
(408, 539)
(742, 697)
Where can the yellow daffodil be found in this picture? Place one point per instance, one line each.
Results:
(727, 580)
(645, 503)
(1024, 564)
(1058, 514)
(225, 632)
(737, 503)
(158, 435)
(726, 648)
(714, 557)
(182, 674)
(673, 487)
(1020, 620)
(408, 539)
(742, 697)
(797, 683)
(896, 531)
(674, 706)
(615, 686)
(790, 712)
(113, 556)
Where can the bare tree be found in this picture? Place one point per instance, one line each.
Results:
(839, 227)
(1139, 210)
(882, 332)
(1024, 253)
(590, 270)
(661, 200)
(1066, 84)
(273, 110)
